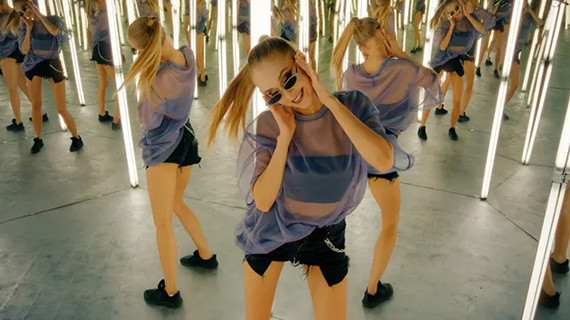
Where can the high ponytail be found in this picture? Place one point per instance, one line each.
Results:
(146, 32)
(13, 22)
(235, 100)
(385, 13)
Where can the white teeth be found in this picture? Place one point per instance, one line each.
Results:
(298, 97)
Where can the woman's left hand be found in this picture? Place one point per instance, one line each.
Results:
(391, 44)
(32, 6)
(467, 6)
(322, 92)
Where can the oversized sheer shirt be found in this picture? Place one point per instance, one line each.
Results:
(99, 27)
(8, 41)
(289, 24)
(528, 24)
(145, 9)
(43, 45)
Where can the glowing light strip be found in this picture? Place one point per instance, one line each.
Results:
(161, 13)
(10, 3)
(235, 35)
(122, 94)
(336, 23)
(532, 92)
(362, 11)
(222, 51)
(562, 157)
(533, 48)
(408, 12)
(509, 54)
(176, 23)
(83, 16)
(346, 20)
(76, 16)
(132, 13)
(261, 25)
(428, 46)
(555, 23)
(304, 26)
(73, 49)
(120, 24)
(317, 43)
(192, 27)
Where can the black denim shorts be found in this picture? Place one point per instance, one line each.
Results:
(388, 176)
(499, 26)
(323, 248)
(453, 65)
(186, 153)
(102, 54)
(244, 28)
(47, 69)
(17, 55)
(470, 55)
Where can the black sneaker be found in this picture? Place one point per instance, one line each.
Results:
(206, 78)
(496, 74)
(440, 111)
(106, 118)
(561, 268)
(44, 118)
(159, 297)
(15, 127)
(202, 83)
(488, 62)
(478, 72)
(505, 116)
(422, 134)
(116, 126)
(38, 145)
(452, 134)
(414, 50)
(463, 118)
(76, 144)
(384, 293)
(419, 49)
(549, 302)
(195, 260)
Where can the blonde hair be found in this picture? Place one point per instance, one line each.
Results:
(385, 13)
(277, 14)
(292, 5)
(437, 17)
(235, 99)
(359, 30)
(13, 22)
(148, 34)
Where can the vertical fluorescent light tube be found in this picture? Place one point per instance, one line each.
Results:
(132, 11)
(10, 3)
(85, 37)
(192, 27)
(509, 54)
(222, 53)
(261, 25)
(303, 16)
(73, 49)
(161, 13)
(120, 23)
(428, 45)
(337, 19)
(235, 35)
(546, 63)
(410, 10)
(176, 23)
(564, 145)
(362, 11)
(533, 48)
(122, 94)
(347, 13)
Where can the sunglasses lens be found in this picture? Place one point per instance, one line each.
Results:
(273, 100)
(290, 82)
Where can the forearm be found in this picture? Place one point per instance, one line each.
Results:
(26, 42)
(49, 26)
(476, 23)
(445, 42)
(536, 18)
(267, 187)
(378, 152)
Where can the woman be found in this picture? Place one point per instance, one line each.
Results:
(385, 16)
(148, 8)
(302, 168)
(213, 13)
(394, 83)
(530, 21)
(276, 20)
(502, 10)
(455, 36)
(170, 149)
(98, 31)
(243, 23)
(201, 32)
(289, 24)
(11, 59)
(40, 39)
(313, 36)
(420, 10)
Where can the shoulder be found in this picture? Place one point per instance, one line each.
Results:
(188, 53)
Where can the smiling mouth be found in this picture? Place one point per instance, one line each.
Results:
(299, 97)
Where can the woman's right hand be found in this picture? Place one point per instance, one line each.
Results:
(451, 22)
(29, 23)
(285, 120)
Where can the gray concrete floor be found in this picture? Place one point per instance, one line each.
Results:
(76, 242)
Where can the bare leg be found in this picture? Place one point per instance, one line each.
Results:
(494, 36)
(247, 39)
(469, 67)
(22, 82)
(329, 303)
(514, 81)
(200, 56)
(110, 71)
(425, 116)
(213, 12)
(417, 40)
(313, 55)
(484, 46)
(562, 237)
(187, 216)
(103, 83)
(499, 50)
(60, 105)
(387, 195)
(35, 87)
(444, 85)
(161, 181)
(260, 290)
(457, 83)
(10, 71)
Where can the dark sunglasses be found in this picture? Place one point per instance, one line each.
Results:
(452, 13)
(24, 8)
(289, 84)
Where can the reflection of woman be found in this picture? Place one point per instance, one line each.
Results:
(11, 59)
(148, 8)
(170, 149)
(40, 39)
(420, 9)
(243, 25)
(289, 24)
(558, 262)
(302, 168)
(456, 30)
(530, 21)
(394, 83)
(213, 13)
(201, 31)
(502, 10)
(276, 20)
(313, 36)
(98, 31)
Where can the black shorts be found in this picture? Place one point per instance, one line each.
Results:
(186, 153)
(243, 28)
(47, 69)
(470, 55)
(388, 176)
(453, 65)
(499, 26)
(17, 55)
(323, 248)
(102, 54)
(284, 36)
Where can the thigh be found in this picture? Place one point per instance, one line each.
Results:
(35, 88)
(329, 302)
(418, 19)
(161, 181)
(182, 179)
(10, 71)
(457, 85)
(469, 68)
(260, 290)
(515, 74)
(58, 94)
(387, 194)
(101, 73)
(110, 71)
